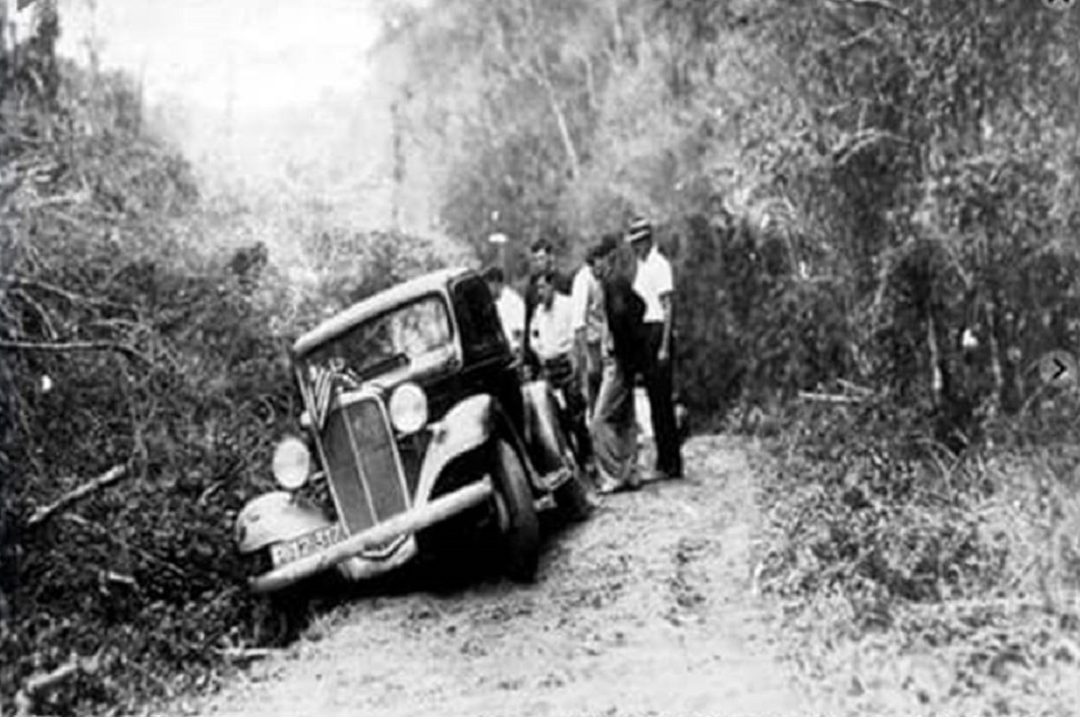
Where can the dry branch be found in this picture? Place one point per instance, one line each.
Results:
(71, 296)
(246, 654)
(39, 682)
(866, 35)
(876, 5)
(855, 388)
(58, 200)
(107, 478)
(17, 345)
(43, 314)
(860, 141)
(830, 397)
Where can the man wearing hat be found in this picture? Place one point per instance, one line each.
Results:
(654, 283)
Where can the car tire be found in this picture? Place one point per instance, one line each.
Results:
(518, 524)
(279, 619)
(274, 616)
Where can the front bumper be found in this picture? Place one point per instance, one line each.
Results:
(410, 521)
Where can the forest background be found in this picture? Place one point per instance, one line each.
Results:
(872, 209)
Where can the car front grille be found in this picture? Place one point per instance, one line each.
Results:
(363, 465)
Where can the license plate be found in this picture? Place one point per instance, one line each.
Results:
(309, 544)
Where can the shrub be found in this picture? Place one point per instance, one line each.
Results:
(877, 530)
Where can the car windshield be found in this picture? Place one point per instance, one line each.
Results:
(389, 341)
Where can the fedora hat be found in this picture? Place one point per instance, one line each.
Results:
(640, 228)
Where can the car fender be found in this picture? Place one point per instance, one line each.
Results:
(274, 517)
(468, 425)
(543, 434)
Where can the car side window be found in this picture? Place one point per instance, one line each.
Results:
(478, 322)
(420, 327)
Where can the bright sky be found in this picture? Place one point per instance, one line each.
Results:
(309, 117)
(272, 53)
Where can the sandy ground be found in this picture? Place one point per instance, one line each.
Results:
(645, 609)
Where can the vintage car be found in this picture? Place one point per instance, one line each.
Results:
(418, 421)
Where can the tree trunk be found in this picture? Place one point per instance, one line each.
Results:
(560, 119)
(616, 27)
(936, 377)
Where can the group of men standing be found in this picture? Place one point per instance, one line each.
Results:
(592, 337)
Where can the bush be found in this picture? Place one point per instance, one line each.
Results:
(877, 530)
(750, 327)
(136, 335)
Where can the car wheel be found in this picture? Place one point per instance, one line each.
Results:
(278, 619)
(516, 515)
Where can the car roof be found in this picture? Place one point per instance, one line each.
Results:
(376, 304)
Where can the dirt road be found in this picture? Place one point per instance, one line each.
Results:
(646, 609)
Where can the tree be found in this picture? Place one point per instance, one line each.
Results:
(877, 126)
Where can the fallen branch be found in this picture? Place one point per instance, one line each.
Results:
(856, 388)
(830, 397)
(71, 296)
(864, 36)
(17, 345)
(107, 478)
(43, 315)
(53, 201)
(877, 5)
(111, 576)
(853, 144)
(213, 488)
(246, 654)
(39, 682)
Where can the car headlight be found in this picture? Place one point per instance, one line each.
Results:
(408, 408)
(292, 463)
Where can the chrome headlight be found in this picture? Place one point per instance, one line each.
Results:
(292, 463)
(408, 408)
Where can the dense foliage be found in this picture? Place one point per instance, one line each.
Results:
(876, 200)
(143, 335)
(845, 187)
(872, 210)
(949, 582)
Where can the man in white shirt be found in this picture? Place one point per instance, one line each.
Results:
(587, 304)
(542, 261)
(654, 283)
(551, 333)
(509, 305)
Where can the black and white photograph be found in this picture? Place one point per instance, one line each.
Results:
(540, 358)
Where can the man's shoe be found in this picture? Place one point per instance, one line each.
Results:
(607, 487)
(663, 473)
(657, 475)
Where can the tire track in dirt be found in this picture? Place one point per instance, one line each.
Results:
(646, 609)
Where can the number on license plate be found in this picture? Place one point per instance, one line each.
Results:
(309, 544)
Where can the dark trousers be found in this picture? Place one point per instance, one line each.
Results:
(659, 387)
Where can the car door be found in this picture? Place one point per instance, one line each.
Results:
(488, 365)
